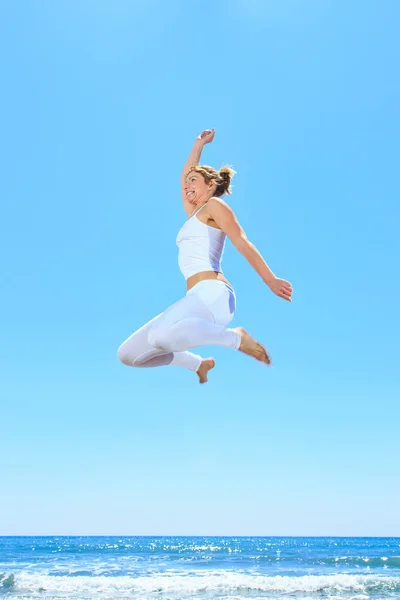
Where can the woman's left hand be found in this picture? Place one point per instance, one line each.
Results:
(281, 288)
(206, 136)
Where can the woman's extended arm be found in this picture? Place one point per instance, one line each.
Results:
(204, 138)
(225, 218)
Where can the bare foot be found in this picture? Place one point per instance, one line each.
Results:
(251, 347)
(206, 365)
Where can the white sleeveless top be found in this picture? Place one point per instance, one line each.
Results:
(200, 247)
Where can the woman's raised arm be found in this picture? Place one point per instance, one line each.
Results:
(204, 138)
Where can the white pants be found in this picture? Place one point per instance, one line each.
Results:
(198, 319)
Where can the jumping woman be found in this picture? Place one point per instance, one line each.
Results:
(202, 316)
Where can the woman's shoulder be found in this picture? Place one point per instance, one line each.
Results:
(217, 205)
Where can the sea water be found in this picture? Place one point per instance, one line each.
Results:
(179, 568)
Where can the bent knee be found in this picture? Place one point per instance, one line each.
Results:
(125, 356)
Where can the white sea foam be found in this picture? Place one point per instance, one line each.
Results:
(173, 584)
(235, 597)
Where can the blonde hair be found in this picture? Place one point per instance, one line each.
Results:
(222, 178)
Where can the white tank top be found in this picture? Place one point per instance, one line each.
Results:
(200, 247)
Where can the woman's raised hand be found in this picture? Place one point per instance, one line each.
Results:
(281, 288)
(206, 136)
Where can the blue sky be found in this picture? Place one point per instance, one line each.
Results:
(101, 103)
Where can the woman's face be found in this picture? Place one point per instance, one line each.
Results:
(196, 189)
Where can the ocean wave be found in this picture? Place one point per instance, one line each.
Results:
(363, 561)
(235, 597)
(389, 562)
(173, 584)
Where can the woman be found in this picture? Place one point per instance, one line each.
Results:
(202, 316)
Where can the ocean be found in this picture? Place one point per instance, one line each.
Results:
(179, 568)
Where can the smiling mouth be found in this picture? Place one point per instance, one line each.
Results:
(189, 194)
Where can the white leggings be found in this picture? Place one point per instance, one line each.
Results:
(198, 319)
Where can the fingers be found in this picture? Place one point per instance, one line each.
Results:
(285, 291)
(207, 133)
(285, 296)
